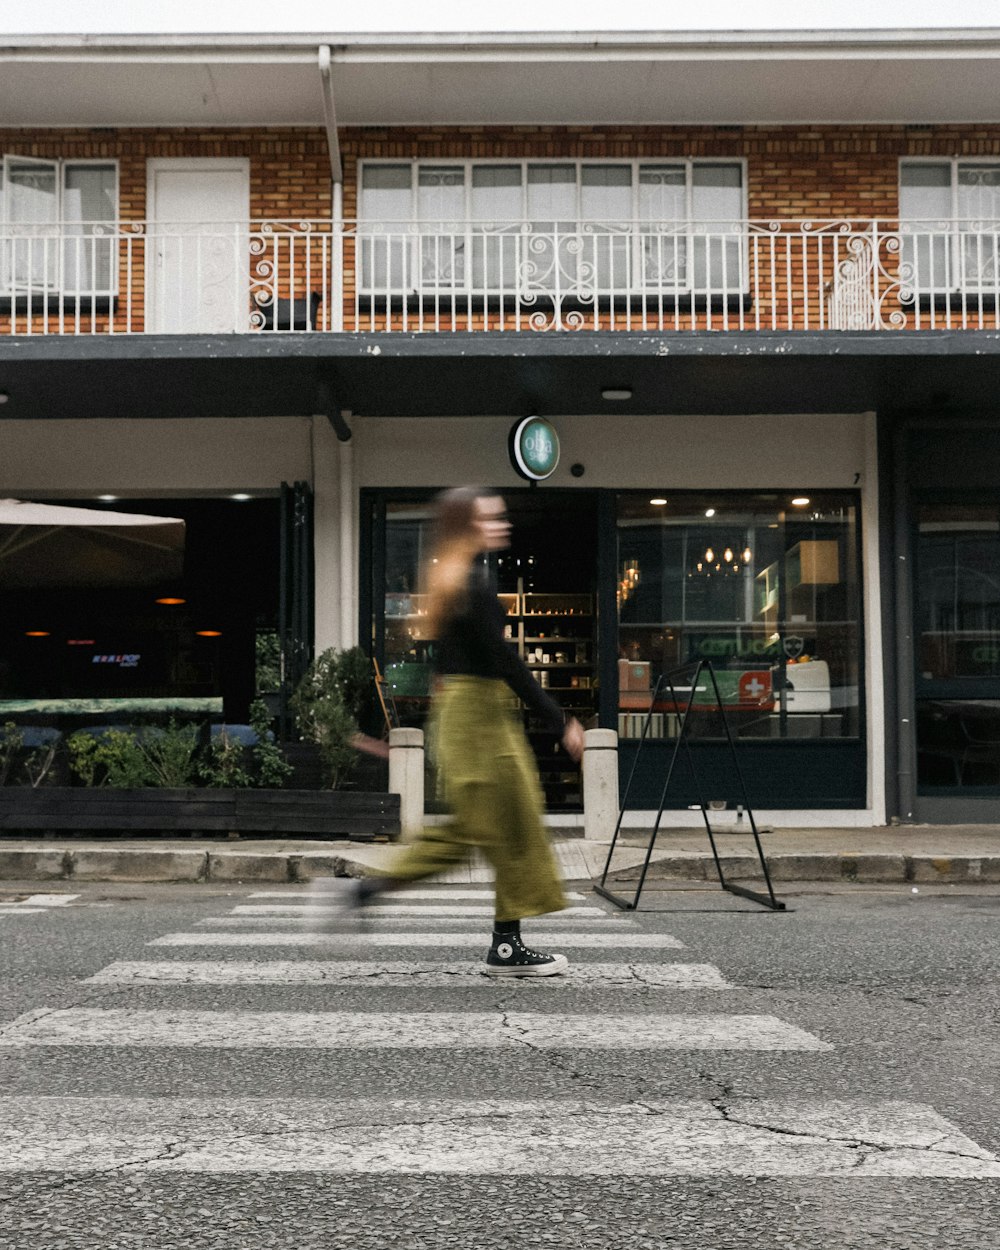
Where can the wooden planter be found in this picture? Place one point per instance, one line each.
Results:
(317, 813)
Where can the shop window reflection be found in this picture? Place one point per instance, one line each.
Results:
(767, 591)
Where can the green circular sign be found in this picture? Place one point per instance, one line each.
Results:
(534, 448)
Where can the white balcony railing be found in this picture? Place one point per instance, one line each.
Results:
(281, 276)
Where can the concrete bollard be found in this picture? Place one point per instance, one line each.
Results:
(600, 783)
(406, 777)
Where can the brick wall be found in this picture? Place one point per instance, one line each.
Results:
(793, 172)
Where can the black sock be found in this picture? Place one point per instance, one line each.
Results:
(507, 928)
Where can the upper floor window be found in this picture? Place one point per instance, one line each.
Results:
(57, 226)
(551, 227)
(949, 214)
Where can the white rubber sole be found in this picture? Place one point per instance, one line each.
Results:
(558, 965)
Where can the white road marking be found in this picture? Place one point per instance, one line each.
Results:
(453, 1030)
(383, 907)
(554, 922)
(12, 909)
(891, 1140)
(610, 936)
(50, 900)
(443, 895)
(397, 973)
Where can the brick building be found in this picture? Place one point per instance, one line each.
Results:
(287, 288)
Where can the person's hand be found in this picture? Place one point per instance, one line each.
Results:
(573, 739)
(372, 746)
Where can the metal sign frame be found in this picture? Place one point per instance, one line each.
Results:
(668, 683)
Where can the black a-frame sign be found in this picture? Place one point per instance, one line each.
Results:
(678, 688)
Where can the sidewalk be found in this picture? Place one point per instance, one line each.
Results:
(913, 853)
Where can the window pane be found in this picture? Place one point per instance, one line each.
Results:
(441, 211)
(979, 213)
(663, 204)
(385, 241)
(957, 611)
(606, 211)
(552, 193)
(31, 203)
(551, 260)
(89, 214)
(925, 213)
(769, 595)
(717, 202)
(497, 211)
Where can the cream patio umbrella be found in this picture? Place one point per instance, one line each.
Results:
(48, 545)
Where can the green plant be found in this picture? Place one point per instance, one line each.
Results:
(169, 755)
(268, 666)
(11, 743)
(84, 757)
(37, 764)
(273, 770)
(327, 704)
(223, 763)
(114, 758)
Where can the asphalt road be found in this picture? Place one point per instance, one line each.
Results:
(711, 1075)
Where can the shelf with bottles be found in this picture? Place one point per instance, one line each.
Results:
(534, 605)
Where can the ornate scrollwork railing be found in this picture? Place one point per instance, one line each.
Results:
(314, 275)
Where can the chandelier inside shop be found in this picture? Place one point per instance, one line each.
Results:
(728, 563)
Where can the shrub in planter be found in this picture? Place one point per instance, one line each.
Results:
(129, 761)
(229, 763)
(20, 764)
(330, 700)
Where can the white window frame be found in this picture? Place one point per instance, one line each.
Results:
(59, 226)
(952, 228)
(637, 288)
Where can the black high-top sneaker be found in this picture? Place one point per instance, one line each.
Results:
(509, 957)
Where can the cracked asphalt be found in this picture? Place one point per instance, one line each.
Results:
(904, 987)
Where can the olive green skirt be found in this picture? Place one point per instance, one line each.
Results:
(493, 793)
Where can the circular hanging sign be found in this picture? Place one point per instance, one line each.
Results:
(534, 448)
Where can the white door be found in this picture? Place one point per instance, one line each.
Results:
(197, 254)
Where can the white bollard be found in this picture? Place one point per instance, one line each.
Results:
(406, 777)
(600, 784)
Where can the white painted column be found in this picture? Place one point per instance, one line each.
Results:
(600, 783)
(326, 527)
(406, 777)
(348, 546)
(872, 590)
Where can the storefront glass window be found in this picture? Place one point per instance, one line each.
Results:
(958, 646)
(764, 587)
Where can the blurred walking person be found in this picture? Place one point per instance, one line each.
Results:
(490, 777)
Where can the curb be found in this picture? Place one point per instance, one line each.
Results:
(831, 866)
(171, 866)
(193, 866)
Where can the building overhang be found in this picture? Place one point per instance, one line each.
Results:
(494, 374)
(653, 78)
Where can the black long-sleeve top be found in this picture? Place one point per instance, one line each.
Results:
(472, 644)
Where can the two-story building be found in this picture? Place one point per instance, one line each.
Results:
(287, 288)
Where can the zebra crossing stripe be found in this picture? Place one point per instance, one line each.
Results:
(891, 1140)
(394, 973)
(13, 909)
(551, 923)
(379, 908)
(451, 1030)
(611, 936)
(444, 895)
(50, 900)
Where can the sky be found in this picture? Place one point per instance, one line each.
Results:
(312, 16)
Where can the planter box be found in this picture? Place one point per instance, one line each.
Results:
(318, 813)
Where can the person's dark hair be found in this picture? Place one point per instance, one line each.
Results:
(452, 550)
(455, 514)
